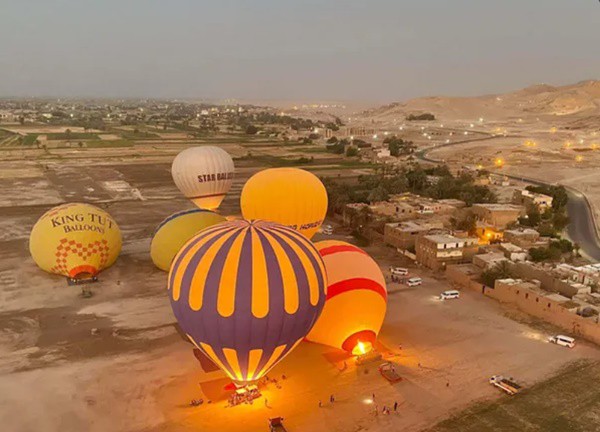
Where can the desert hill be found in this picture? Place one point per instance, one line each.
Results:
(578, 99)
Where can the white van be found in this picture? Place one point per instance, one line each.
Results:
(415, 281)
(398, 271)
(563, 340)
(450, 294)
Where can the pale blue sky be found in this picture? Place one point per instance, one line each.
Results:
(381, 50)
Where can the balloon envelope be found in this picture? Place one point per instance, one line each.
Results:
(75, 240)
(175, 231)
(204, 175)
(289, 196)
(246, 293)
(356, 298)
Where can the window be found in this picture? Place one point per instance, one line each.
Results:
(537, 299)
(549, 305)
(518, 292)
(526, 295)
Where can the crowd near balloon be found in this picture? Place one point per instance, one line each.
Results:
(247, 290)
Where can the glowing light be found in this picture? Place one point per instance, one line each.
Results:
(567, 144)
(471, 125)
(499, 162)
(480, 119)
(375, 136)
(362, 348)
(368, 401)
(352, 137)
(553, 130)
(466, 133)
(579, 158)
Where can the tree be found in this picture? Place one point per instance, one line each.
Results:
(251, 130)
(378, 194)
(467, 223)
(351, 151)
(501, 270)
(332, 140)
(424, 116)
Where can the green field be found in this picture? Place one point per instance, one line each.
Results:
(70, 136)
(29, 139)
(567, 402)
(139, 135)
(108, 144)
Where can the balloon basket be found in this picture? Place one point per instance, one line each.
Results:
(369, 357)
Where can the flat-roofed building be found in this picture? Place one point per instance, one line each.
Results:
(403, 235)
(438, 250)
(527, 198)
(498, 215)
(522, 237)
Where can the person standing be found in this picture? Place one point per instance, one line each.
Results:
(395, 406)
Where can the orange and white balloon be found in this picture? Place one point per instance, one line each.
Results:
(204, 175)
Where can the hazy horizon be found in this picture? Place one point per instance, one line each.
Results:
(379, 51)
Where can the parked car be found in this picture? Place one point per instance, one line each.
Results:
(415, 281)
(507, 385)
(450, 294)
(327, 230)
(398, 271)
(563, 340)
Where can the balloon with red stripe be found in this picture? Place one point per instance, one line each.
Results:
(356, 299)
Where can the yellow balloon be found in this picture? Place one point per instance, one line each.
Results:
(75, 240)
(175, 231)
(289, 196)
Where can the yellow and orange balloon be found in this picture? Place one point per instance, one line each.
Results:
(75, 240)
(173, 232)
(289, 196)
(356, 299)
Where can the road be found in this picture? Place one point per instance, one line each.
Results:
(581, 229)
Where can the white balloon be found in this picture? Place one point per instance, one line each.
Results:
(204, 175)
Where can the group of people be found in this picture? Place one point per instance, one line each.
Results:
(385, 410)
(245, 397)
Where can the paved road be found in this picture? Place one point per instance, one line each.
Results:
(581, 229)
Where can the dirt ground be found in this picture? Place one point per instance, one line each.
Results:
(541, 409)
(115, 362)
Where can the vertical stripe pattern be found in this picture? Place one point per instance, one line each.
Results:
(246, 293)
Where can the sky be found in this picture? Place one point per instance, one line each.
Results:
(368, 50)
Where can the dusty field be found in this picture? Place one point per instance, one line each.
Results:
(541, 409)
(137, 374)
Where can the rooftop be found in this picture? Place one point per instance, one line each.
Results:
(499, 207)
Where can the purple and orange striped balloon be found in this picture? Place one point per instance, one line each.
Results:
(246, 293)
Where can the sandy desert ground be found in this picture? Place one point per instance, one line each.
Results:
(116, 362)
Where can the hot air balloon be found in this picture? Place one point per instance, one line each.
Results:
(356, 299)
(204, 175)
(75, 240)
(246, 293)
(173, 232)
(289, 196)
